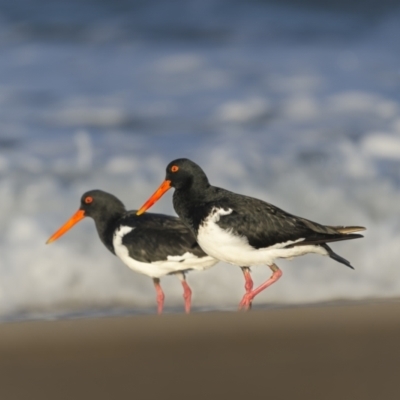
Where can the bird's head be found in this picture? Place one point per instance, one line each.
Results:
(181, 173)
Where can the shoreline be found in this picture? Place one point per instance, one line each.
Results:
(102, 312)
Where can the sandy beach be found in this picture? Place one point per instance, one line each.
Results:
(314, 352)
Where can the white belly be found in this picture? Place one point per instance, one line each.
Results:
(159, 268)
(225, 246)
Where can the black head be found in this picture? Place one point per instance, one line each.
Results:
(95, 203)
(183, 173)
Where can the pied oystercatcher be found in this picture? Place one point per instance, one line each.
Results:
(242, 230)
(154, 244)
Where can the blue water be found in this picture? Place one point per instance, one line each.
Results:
(297, 106)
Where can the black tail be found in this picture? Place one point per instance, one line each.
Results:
(335, 256)
(320, 238)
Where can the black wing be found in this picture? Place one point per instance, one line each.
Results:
(265, 225)
(157, 236)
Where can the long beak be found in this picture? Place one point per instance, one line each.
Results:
(80, 214)
(165, 186)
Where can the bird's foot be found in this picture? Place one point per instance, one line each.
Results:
(246, 302)
(188, 300)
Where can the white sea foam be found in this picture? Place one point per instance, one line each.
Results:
(310, 125)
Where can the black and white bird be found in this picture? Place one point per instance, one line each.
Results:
(154, 244)
(242, 230)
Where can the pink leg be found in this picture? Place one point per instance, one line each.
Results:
(187, 292)
(160, 296)
(249, 296)
(187, 295)
(247, 276)
(248, 281)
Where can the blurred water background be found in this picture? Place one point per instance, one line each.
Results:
(295, 103)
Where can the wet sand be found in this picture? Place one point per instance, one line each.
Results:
(320, 352)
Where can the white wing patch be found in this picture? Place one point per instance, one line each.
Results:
(183, 257)
(217, 213)
(121, 232)
(157, 269)
(224, 245)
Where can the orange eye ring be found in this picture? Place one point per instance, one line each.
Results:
(174, 168)
(88, 199)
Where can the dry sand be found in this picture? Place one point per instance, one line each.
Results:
(326, 352)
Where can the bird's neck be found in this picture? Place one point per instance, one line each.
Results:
(194, 194)
(189, 203)
(106, 226)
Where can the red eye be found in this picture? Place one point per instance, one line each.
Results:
(88, 200)
(174, 168)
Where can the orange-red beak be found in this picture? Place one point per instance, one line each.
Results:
(165, 186)
(80, 214)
